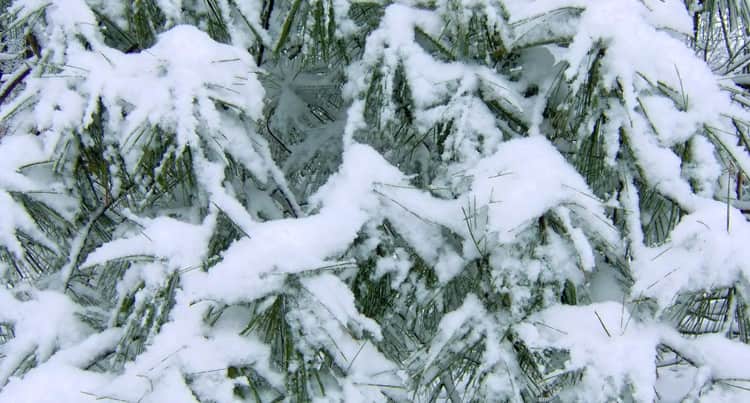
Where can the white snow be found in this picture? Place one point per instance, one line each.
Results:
(701, 252)
(484, 203)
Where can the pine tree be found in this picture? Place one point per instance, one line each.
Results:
(336, 200)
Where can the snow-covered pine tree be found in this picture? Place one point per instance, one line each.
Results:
(337, 200)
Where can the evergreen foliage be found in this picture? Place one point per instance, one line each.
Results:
(342, 200)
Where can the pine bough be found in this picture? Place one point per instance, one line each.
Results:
(335, 200)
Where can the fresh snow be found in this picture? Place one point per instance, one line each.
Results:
(503, 201)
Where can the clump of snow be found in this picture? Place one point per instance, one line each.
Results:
(514, 191)
(505, 196)
(613, 352)
(439, 91)
(71, 382)
(706, 249)
(43, 322)
(182, 245)
(346, 203)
